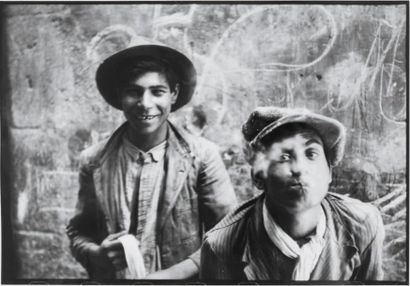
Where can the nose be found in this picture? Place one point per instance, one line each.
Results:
(146, 99)
(297, 167)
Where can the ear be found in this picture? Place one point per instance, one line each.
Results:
(175, 93)
(258, 179)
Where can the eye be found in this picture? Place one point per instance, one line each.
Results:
(312, 153)
(158, 92)
(284, 157)
(131, 91)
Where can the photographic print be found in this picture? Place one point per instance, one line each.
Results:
(72, 85)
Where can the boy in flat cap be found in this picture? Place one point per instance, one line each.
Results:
(149, 192)
(296, 229)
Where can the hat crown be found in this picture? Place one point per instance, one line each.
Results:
(265, 115)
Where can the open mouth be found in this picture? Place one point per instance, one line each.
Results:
(147, 117)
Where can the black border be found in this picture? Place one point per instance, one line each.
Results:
(222, 2)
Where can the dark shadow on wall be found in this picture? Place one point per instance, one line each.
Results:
(9, 264)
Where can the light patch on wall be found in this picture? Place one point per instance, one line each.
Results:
(22, 205)
(345, 80)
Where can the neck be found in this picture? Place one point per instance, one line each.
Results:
(145, 142)
(298, 224)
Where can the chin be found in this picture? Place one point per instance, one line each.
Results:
(297, 206)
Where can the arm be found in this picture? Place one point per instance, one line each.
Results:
(87, 228)
(181, 271)
(208, 268)
(215, 191)
(216, 197)
(371, 267)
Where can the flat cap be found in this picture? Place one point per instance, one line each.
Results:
(265, 121)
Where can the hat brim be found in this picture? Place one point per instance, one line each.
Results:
(107, 76)
(331, 131)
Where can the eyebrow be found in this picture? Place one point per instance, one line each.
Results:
(313, 141)
(150, 87)
(158, 86)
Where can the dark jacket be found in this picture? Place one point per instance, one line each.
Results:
(196, 195)
(238, 248)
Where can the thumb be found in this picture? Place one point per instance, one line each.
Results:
(114, 236)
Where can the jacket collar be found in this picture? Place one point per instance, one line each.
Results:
(340, 248)
(176, 142)
(178, 163)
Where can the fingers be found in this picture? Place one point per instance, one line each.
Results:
(111, 244)
(114, 251)
(117, 258)
(114, 236)
(116, 254)
(119, 264)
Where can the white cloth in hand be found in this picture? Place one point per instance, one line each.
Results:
(133, 256)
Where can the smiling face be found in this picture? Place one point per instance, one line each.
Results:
(146, 102)
(297, 175)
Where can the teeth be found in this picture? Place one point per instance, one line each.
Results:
(147, 117)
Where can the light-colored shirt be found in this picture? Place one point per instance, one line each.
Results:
(144, 178)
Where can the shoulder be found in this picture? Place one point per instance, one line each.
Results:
(198, 145)
(92, 154)
(361, 219)
(95, 153)
(353, 209)
(226, 234)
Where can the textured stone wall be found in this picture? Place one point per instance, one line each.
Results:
(339, 60)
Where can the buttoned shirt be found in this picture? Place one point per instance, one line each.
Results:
(144, 177)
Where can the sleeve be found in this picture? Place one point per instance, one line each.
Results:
(87, 227)
(209, 263)
(215, 191)
(371, 267)
(196, 257)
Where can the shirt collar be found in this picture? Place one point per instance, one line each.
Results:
(155, 154)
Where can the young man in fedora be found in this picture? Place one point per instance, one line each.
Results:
(149, 192)
(296, 229)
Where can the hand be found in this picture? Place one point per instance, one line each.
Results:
(184, 270)
(109, 254)
(114, 251)
(160, 275)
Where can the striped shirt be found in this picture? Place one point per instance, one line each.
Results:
(238, 247)
(144, 176)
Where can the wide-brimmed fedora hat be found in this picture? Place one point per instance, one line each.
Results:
(264, 121)
(109, 72)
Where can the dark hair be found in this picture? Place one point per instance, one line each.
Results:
(140, 66)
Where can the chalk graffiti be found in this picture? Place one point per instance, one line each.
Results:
(345, 84)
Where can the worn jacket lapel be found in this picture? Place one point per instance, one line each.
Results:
(257, 256)
(340, 255)
(107, 178)
(178, 162)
